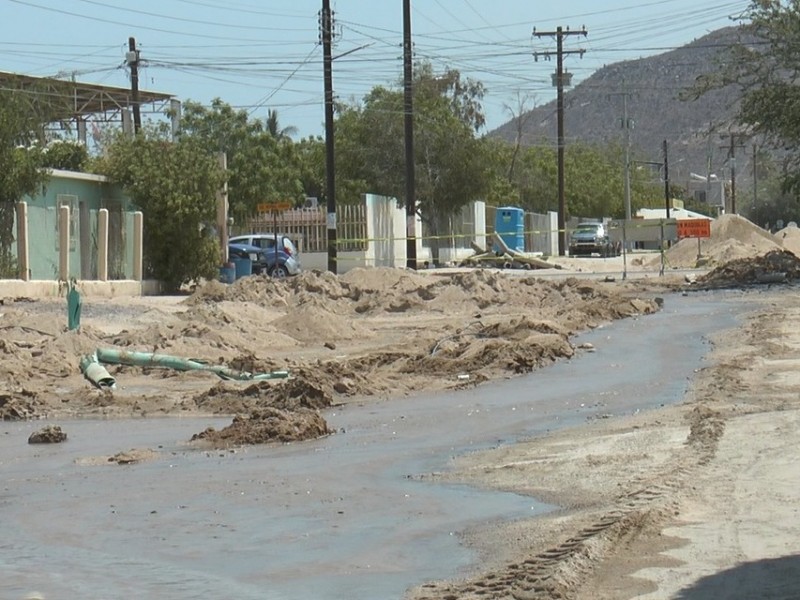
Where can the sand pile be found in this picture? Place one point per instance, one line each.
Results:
(732, 237)
(777, 266)
(789, 237)
(372, 332)
(283, 412)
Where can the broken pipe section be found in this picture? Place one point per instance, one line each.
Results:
(96, 373)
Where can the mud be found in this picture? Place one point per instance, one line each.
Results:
(51, 434)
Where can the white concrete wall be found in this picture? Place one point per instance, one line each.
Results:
(385, 231)
(17, 288)
(387, 240)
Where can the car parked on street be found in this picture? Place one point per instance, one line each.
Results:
(592, 238)
(288, 255)
(264, 261)
(266, 241)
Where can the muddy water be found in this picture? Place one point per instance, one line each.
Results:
(344, 517)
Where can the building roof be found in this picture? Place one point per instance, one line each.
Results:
(80, 99)
(674, 213)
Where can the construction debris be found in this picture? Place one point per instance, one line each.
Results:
(506, 258)
(98, 375)
(776, 266)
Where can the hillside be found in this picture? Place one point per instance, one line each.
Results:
(694, 129)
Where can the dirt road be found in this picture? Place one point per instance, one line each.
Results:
(696, 501)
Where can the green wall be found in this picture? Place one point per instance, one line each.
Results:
(85, 195)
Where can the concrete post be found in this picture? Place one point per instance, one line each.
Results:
(222, 209)
(84, 241)
(479, 219)
(63, 243)
(23, 257)
(102, 244)
(138, 244)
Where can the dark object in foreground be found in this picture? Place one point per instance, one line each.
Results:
(51, 434)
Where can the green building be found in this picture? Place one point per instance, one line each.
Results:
(85, 194)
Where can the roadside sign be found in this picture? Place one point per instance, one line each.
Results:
(274, 206)
(694, 228)
(643, 230)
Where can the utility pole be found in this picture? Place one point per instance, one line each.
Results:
(755, 176)
(732, 161)
(408, 112)
(627, 125)
(559, 81)
(666, 179)
(326, 30)
(132, 58)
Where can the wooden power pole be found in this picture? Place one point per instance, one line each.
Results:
(408, 112)
(132, 58)
(559, 80)
(326, 25)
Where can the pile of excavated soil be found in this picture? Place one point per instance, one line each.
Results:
(732, 237)
(369, 333)
(777, 266)
(50, 434)
(266, 425)
(790, 238)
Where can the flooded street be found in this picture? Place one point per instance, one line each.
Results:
(345, 517)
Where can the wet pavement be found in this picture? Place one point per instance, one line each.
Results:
(344, 517)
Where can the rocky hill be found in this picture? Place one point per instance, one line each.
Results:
(696, 130)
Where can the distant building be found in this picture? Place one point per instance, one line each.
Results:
(708, 190)
(674, 213)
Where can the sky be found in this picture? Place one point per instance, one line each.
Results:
(266, 55)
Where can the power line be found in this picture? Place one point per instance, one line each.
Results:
(121, 24)
(181, 19)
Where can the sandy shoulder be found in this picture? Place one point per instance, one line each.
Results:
(694, 501)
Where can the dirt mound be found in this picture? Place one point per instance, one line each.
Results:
(790, 238)
(263, 290)
(287, 411)
(51, 434)
(379, 279)
(256, 288)
(19, 404)
(312, 322)
(732, 237)
(267, 425)
(291, 394)
(776, 266)
(371, 332)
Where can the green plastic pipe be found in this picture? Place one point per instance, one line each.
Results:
(96, 373)
(150, 359)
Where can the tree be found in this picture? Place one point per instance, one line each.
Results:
(520, 115)
(174, 184)
(450, 165)
(21, 126)
(464, 96)
(765, 65)
(593, 180)
(66, 155)
(263, 168)
(274, 128)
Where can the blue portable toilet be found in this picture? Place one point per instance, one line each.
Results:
(509, 224)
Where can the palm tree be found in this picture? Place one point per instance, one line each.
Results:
(274, 128)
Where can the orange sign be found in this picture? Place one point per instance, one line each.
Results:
(694, 228)
(274, 206)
